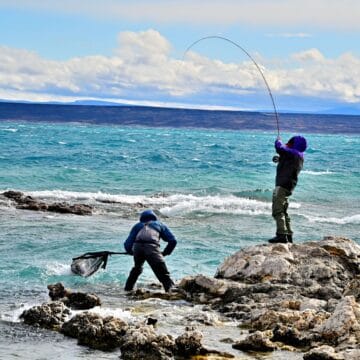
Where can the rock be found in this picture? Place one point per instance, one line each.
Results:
(353, 288)
(74, 300)
(29, 203)
(143, 294)
(142, 342)
(257, 341)
(95, 331)
(300, 320)
(343, 324)
(331, 262)
(323, 352)
(290, 336)
(49, 316)
(189, 343)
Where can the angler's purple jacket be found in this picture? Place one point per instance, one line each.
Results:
(290, 162)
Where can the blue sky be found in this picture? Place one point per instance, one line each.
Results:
(133, 52)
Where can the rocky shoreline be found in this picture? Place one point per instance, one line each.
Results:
(302, 298)
(27, 202)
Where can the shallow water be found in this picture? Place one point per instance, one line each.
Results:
(212, 188)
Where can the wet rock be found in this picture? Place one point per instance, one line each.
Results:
(189, 343)
(49, 316)
(142, 342)
(74, 300)
(143, 294)
(257, 341)
(95, 331)
(324, 352)
(26, 202)
(290, 336)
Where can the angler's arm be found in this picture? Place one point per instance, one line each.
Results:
(283, 149)
(129, 242)
(168, 236)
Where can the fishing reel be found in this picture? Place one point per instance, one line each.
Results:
(276, 159)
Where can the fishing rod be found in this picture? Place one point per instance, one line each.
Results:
(251, 58)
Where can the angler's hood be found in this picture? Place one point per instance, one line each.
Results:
(298, 143)
(148, 215)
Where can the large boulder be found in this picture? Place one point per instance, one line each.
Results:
(331, 262)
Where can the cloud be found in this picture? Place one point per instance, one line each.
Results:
(328, 14)
(309, 55)
(142, 69)
(290, 35)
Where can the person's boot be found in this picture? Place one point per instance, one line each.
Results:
(279, 238)
(289, 238)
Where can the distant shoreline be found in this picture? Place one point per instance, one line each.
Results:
(179, 118)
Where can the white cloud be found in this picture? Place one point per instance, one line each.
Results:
(327, 14)
(309, 55)
(142, 69)
(290, 35)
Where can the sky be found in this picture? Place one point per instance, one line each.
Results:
(220, 54)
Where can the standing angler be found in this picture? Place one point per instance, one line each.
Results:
(144, 243)
(290, 162)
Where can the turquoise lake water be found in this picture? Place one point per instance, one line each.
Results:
(212, 188)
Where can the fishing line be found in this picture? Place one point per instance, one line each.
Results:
(251, 58)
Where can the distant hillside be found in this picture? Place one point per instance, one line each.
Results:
(167, 117)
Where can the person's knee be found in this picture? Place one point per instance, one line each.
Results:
(137, 270)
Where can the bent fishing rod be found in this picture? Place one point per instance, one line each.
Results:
(253, 61)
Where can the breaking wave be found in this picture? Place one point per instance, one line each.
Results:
(169, 204)
(354, 219)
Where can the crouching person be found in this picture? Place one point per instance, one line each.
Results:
(143, 243)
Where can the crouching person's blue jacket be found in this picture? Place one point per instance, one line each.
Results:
(149, 218)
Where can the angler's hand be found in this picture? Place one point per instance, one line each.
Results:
(275, 159)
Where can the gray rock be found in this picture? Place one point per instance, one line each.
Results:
(74, 300)
(26, 202)
(48, 315)
(142, 342)
(95, 331)
(257, 341)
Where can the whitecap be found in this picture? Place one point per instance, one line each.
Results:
(317, 173)
(57, 268)
(10, 130)
(117, 312)
(353, 219)
(171, 205)
(13, 315)
(184, 204)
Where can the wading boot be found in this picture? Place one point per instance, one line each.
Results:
(279, 238)
(289, 238)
